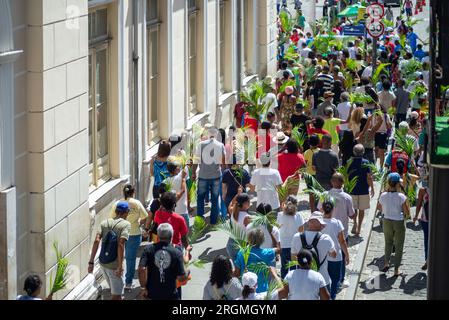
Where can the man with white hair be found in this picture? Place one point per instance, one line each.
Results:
(361, 192)
(161, 266)
(210, 156)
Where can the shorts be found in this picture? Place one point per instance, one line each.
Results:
(381, 140)
(361, 202)
(116, 284)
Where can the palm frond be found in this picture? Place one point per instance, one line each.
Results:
(283, 191)
(388, 23)
(59, 282)
(349, 183)
(443, 89)
(200, 264)
(286, 22)
(273, 286)
(260, 268)
(268, 220)
(304, 102)
(418, 91)
(380, 69)
(311, 181)
(360, 98)
(235, 232)
(352, 65)
(412, 21)
(193, 188)
(299, 136)
(288, 83)
(198, 230)
(405, 143)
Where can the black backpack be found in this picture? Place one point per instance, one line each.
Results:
(109, 246)
(316, 263)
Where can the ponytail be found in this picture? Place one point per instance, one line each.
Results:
(236, 212)
(247, 290)
(128, 191)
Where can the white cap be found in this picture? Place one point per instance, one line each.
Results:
(317, 215)
(414, 115)
(249, 279)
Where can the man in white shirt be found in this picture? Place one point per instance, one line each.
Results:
(265, 181)
(304, 52)
(324, 247)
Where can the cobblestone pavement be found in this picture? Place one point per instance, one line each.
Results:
(412, 285)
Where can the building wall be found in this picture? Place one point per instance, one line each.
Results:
(54, 198)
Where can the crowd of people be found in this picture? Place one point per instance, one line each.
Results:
(332, 117)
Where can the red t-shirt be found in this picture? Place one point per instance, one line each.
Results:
(289, 163)
(319, 132)
(391, 45)
(251, 123)
(294, 38)
(177, 222)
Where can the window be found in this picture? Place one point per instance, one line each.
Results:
(98, 96)
(192, 57)
(222, 45)
(153, 69)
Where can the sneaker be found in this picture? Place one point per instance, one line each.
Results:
(345, 284)
(424, 267)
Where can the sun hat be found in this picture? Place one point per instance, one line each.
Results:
(318, 216)
(289, 90)
(280, 138)
(249, 279)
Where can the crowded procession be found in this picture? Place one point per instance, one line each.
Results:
(319, 189)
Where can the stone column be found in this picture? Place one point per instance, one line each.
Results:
(267, 42)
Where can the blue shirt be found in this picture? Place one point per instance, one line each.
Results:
(257, 255)
(160, 172)
(419, 54)
(359, 169)
(412, 39)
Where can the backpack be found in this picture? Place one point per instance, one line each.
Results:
(316, 263)
(109, 247)
(394, 160)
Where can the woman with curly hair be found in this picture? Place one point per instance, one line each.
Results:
(222, 285)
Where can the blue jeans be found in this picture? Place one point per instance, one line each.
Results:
(334, 268)
(223, 206)
(131, 248)
(212, 186)
(286, 257)
(425, 230)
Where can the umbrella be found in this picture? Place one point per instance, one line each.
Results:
(351, 11)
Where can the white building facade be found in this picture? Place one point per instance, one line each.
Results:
(87, 90)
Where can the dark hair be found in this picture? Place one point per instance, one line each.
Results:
(128, 191)
(292, 146)
(240, 200)
(164, 149)
(286, 74)
(223, 135)
(364, 81)
(392, 184)
(400, 165)
(328, 206)
(264, 208)
(160, 190)
(221, 272)
(284, 65)
(319, 123)
(172, 166)
(314, 140)
(363, 123)
(168, 201)
(270, 114)
(32, 283)
(326, 138)
(413, 122)
(386, 85)
(266, 125)
(247, 290)
(304, 258)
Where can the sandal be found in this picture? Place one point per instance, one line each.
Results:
(424, 267)
(397, 273)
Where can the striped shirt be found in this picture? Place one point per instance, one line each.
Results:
(328, 81)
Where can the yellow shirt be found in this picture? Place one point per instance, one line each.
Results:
(308, 156)
(137, 212)
(322, 63)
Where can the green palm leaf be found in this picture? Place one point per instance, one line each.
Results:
(360, 98)
(193, 188)
(380, 69)
(405, 143)
(198, 230)
(288, 83)
(299, 136)
(349, 184)
(352, 65)
(59, 282)
(235, 232)
(283, 191)
(268, 220)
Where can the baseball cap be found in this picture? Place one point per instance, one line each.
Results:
(265, 158)
(249, 279)
(394, 177)
(122, 206)
(317, 216)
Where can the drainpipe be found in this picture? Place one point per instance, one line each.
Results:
(135, 116)
(239, 47)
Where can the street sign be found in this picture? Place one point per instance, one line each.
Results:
(354, 31)
(376, 11)
(375, 28)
